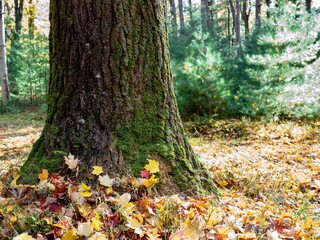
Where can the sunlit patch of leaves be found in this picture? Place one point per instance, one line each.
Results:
(268, 174)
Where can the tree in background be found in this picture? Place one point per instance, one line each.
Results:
(111, 100)
(173, 11)
(18, 13)
(181, 16)
(3, 59)
(205, 15)
(258, 13)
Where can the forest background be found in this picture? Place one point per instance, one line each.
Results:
(229, 58)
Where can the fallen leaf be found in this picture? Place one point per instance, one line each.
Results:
(85, 229)
(96, 223)
(44, 175)
(24, 236)
(71, 161)
(152, 166)
(106, 180)
(98, 236)
(69, 235)
(97, 170)
(151, 181)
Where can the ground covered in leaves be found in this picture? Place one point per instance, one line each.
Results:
(268, 175)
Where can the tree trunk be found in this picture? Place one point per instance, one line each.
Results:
(190, 9)
(3, 59)
(245, 18)
(233, 13)
(18, 13)
(258, 13)
(237, 27)
(205, 15)
(181, 17)
(111, 98)
(308, 5)
(174, 17)
(31, 17)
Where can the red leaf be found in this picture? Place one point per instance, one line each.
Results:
(145, 174)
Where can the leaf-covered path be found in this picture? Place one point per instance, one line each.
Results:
(268, 173)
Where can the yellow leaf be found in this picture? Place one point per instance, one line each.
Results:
(84, 187)
(85, 190)
(69, 235)
(84, 209)
(109, 190)
(44, 175)
(24, 236)
(14, 181)
(97, 170)
(86, 194)
(151, 181)
(13, 219)
(106, 180)
(1, 185)
(152, 166)
(215, 217)
(223, 183)
(95, 223)
(71, 161)
(133, 223)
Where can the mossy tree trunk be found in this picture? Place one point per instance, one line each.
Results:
(111, 98)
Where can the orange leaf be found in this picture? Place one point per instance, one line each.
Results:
(44, 175)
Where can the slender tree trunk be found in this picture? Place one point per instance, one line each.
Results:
(237, 26)
(190, 9)
(258, 13)
(181, 16)
(205, 15)
(18, 10)
(268, 2)
(308, 5)
(111, 98)
(228, 27)
(3, 59)
(31, 17)
(236, 23)
(245, 17)
(233, 14)
(174, 17)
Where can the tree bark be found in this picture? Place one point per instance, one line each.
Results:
(3, 59)
(236, 23)
(245, 17)
(31, 17)
(190, 9)
(18, 12)
(205, 15)
(308, 5)
(173, 10)
(233, 14)
(181, 16)
(111, 98)
(258, 13)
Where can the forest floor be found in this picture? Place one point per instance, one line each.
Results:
(268, 175)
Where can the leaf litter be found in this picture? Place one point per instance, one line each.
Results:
(268, 174)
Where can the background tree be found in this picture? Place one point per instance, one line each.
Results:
(258, 13)
(173, 11)
(181, 15)
(246, 16)
(205, 14)
(3, 59)
(111, 99)
(18, 12)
